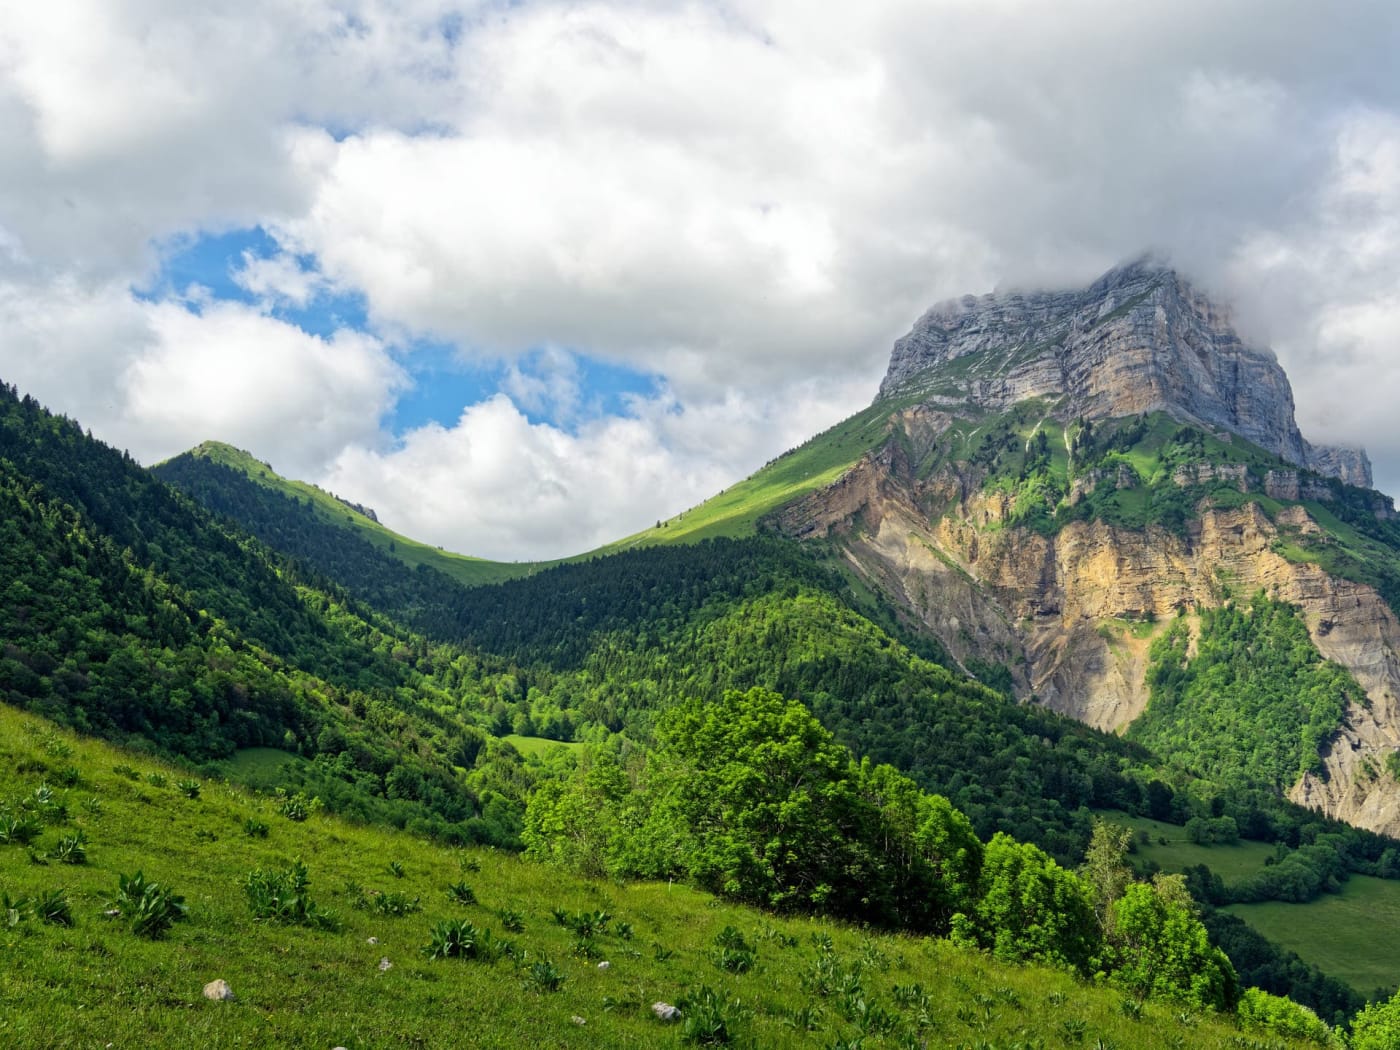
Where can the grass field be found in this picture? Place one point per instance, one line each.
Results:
(96, 983)
(538, 745)
(1179, 852)
(260, 767)
(1350, 935)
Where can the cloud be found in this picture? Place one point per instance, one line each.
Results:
(740, 199)
(500, 486)
(158, 378)
(278, 279)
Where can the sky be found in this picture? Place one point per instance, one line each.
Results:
(526, 277)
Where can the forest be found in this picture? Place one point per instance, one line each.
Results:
(148, 615)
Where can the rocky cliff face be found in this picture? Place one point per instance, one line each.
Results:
(1072, 611)
(1072, 615)
(1139, 339)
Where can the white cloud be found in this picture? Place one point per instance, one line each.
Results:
(158, 378)
(500, 486)
(279, 278)
(736, 198)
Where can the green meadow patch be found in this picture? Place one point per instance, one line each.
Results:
(403, 956)
(1348, 934)
(1177, 853)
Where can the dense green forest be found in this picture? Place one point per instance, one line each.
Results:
(424, 599)
(1254, 704)
(129, 612)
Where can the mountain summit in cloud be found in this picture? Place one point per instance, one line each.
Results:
(1140, 339)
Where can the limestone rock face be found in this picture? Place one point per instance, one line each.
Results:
(1139, 339)
(1056, 610)
(1071, 612)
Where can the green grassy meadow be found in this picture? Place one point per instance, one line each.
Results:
(539, 746)
(809, 983)
(1230, 862)
(736, 511)
(1350, 934)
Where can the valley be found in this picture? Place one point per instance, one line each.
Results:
(885, 691)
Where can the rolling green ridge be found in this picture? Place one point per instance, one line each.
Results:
(737, 511)
(809, 982)
(183, 470)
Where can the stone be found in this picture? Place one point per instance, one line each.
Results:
(605, 965)
(576, 1019)
(665, 1012)
(218, 991)
(385, 965)
(1139, 339)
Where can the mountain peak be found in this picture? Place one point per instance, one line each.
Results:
(1139, 339)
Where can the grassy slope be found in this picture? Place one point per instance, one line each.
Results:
(735, 512)
(1345, 934)
(466, 570)
(98, 984)
(1229, 862)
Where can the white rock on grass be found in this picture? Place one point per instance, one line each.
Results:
(665, 1012)
(605, 965)
(576, 1019)
(218, 991)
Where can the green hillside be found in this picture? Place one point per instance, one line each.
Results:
(332, 511)
(737, 510)
(134, 613)
(77, 976)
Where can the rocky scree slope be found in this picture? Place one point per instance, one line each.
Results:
(1079, 467)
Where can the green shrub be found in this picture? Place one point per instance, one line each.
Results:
(1261, 1012)
(296, 807)
(459, 939)
(52, 907)
(255, 829)
(385, 903)
(157, 780)
(50, 807)
(542, 975)
(460, 892)
(13, 910)
(150, 908)
(709, 1017)
(188, 788)
(511, 920)
(19, 829)
(71, 849)
(284, 896)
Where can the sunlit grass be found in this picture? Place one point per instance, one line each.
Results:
(370, 985)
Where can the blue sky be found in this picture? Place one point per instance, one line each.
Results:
(445, 380)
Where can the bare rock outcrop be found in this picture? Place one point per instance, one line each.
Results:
(1139, 339)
